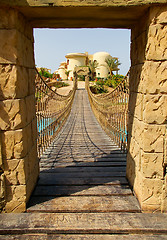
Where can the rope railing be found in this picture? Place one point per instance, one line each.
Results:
(52, 110)
(111, 110)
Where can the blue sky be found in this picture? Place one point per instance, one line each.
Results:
(51, 45)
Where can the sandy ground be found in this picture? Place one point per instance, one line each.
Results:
(65, 90)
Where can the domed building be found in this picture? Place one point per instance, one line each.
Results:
(75, 59)
(62, 69)
(102, 69)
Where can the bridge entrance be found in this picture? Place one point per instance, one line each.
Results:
(147, 138)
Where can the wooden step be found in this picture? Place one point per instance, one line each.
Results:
(77, 169)
(51, 179)
(83, 204)
(84, 174)
(80, 159)
(42, 236)
(81, 164)
(83, 223)
(84, 190)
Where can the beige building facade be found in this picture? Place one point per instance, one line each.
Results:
(75, 60)
(147, 139)
(62, 70)
(102, 69)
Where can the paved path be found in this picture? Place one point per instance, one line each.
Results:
(82, 192)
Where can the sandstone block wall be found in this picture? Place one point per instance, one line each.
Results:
(147, 158)
(17, 110)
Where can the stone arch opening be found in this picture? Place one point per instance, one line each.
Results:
(147, 155)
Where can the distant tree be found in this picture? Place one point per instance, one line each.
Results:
(112, 64)
(92, 67)
(67, 72)
(45, 73)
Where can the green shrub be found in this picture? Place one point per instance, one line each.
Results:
(98, 89)
(60, 84)
(113, 81)
(46, 74)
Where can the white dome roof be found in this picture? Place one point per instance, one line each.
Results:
(100, 57)
(101, 54)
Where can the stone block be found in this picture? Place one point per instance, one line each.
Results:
(15, 207)
(14, 82)
(15, 171)
(16, 193)
(136, 81)
(158, 15)
(32, 159)
(137, 185)
(153, 138)
(17, 113)
(130, 169)
(141, 26)
(34, 131)
(2, 190)
(138, 46)
(156, 44)
(30, 108)
(16, 48)
(155, 109)
(31, 82)
(151, 194)
(136, 105)
(8, 50)
(25, 53)
(165, 147)
(7, 18)
(152, 165)
(16, 144)
(12, 19)
(154, 77)
(15, 198)
(13, 114)
(164, 196)
(32, 180)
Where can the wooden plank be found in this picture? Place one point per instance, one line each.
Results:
(51, 179)
(82, 164)
(83, 237)
(86, 190)
(88, 158)
(83, 204)
(85, 174)
(111, 223)
(77, 169)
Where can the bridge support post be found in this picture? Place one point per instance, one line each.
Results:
(147, 143)
(17, 109)
(86, 82)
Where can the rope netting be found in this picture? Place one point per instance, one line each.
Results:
(52, 110)
(111, 110)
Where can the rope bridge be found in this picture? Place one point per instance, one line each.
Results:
(52, 110)
(111, 110)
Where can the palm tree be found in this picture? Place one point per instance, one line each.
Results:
(67, 72)
(92, 67)
(112, 64)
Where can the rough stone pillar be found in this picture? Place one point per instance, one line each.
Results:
(147, 157)
(17, 109)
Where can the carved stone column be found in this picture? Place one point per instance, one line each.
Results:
(147, 159)
(17, 114)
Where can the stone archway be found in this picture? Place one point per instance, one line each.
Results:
(83, 71)
(147, 155)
